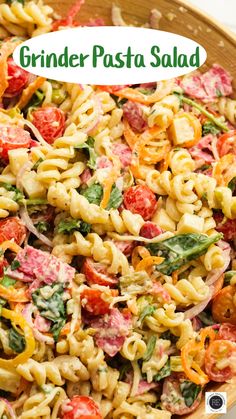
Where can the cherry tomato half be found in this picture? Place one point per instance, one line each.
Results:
(50, 121)
(93, 301)
(12, 229)
(223, 305)
(81, 407)
(226, 143)
(17, 79)
(12, 137)
(96, 273)
(172, 392)
(218, 360)
(140, 200)
(227, 331)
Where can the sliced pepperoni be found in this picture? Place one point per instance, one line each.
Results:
(150, 230)
(50, 121)
(17, 79)
(140, 200)
(124, 153)
(133, 113)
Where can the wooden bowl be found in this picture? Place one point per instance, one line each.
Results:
(219, 42)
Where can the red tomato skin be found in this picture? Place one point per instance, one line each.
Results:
(227, 143)
(12, 229)
(96, 273)
(150, 230)
(82, 407)
(227, 331)
(140, 200)
(92, 301)
(220, 376)
(12, 137)
(228, 228)
(50, 121)
(17, 79)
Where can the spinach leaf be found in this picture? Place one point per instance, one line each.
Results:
(68, 225)
(164, 372)
(115, 198)
(150, 348)
(7, 281)
(119, 102)
(169, 336)
(210, 128)
(84, 228)
(228, 276)
(15, 265)
(232, 185)
(206, 318)
(147, 311)
(16, 341)
(51, 306)
(94, 194)
(189, 391)
(18, 196)
(88, 147)
(42, 226)
(180, 249)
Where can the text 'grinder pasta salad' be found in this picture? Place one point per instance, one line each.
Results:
(117, 238)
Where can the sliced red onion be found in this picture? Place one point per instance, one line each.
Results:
(27, 314)
(194, 311)
(30, 226)
(9, 408)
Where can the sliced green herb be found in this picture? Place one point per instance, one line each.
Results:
(189, 391)
(35, 101)
(42, 226)
(36, 201)
(119, 102)
(218, 93)
(206, 318)
(84, 228)
(7, 281)
(36, 165)
(18, 196)
(15, 265)
(150, 348)
(180, 249)
(228, 276)
(68, 225)
(164, 372)
(147, 311)
(16, 341)
(124, 369)
(209, 128)
(52, 307)
(91, 154)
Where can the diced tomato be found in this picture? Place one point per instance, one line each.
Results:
(150, 230)
(226, 143)
(133, 113)
(227, 331)
(140, 200)
(50, 121)
(12, 137)
(228, 228)
(17, 79)
(172, 393)
(80, 407)
(223, 307)
(92, 301)
(12, 229)
(124, 153)
(96, 273)
(218, 351)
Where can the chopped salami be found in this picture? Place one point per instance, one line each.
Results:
(86, 175)
(124, 153)
(37, 265)
(208, 86)
(150, 230)
(133, 113)
(111, 331)
(202, 151)
(125, 247)
(144, 387)
(103, 162)
(42, 324)
(225, 226)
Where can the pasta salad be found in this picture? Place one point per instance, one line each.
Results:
(117, 237)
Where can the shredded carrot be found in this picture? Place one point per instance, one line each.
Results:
(17, 307)
(147, 262)
(163, 89)
(175, 275)
(29, 91)
(6, 50)
(13, 294)
(67, 328)
(225, 169)
(139, 253)
(8, 244)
